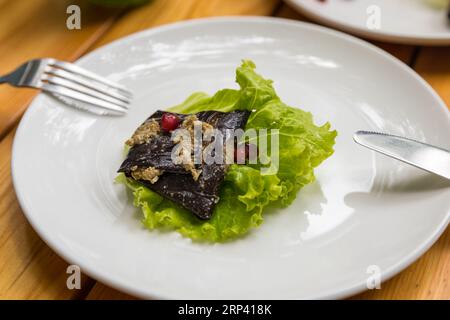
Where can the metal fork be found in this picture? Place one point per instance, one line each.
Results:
(73, 84)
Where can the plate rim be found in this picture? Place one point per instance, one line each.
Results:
(120, 284)
(391, 37)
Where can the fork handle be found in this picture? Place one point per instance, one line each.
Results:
(5, 78)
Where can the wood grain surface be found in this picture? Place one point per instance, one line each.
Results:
(29, 269)
(35, 29)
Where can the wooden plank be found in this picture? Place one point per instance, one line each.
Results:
(103, 292)
(34, 29)
(433, 64)
(160, 12)
(287, 12)
(30, 29)
(29, 269)
(402, 52)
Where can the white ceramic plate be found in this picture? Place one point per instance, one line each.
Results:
(364, 210)
(401, 21)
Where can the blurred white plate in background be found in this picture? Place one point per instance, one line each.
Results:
(401, 21)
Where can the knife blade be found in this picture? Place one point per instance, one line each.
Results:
(421, 155)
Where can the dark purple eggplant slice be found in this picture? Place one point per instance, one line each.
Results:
(177, 184)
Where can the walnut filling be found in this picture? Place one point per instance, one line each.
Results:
(150, 174)
(188, 124)
(145, 131)
(184, 156)
(191, 168)
(191, 121)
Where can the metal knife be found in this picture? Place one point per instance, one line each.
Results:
(421, 155)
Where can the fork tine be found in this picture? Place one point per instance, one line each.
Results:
(78, 70)
(99, 87)
(87, 107)
(81, 97)
(73, 86)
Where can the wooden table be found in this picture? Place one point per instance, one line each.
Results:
(29, 269)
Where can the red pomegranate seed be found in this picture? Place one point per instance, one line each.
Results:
(169, 122)
(242, 152)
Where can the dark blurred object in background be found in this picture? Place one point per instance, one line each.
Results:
(118, 3)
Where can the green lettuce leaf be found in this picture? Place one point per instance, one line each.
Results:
(246, 190)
